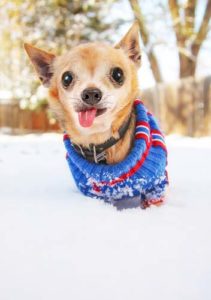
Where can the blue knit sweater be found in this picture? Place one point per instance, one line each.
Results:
(141, 175)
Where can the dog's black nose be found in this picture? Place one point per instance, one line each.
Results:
(91, 96)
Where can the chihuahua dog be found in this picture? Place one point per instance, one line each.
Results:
(92, 89)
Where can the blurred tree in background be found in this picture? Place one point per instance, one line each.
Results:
(57, 25)
(181, 17)
(54, 25)
(175, 38)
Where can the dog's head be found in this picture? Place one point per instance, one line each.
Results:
(93, 82)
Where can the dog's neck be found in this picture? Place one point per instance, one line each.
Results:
(120, 150)
(99, 153)
(114, 144)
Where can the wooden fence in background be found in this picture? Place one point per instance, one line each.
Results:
(15, 120)
(182, 107)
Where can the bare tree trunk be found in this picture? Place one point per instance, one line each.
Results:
(184, 32)
(187, 61)
(145, 38)
(189, 42)
(187, 66)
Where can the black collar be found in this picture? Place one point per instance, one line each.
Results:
(96, 153)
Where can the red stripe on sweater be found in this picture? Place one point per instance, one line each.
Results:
(138, 101)
(142, 136)
(140, 123)
(160, 144)
(66, 137)
(132, 170)
(155, 201)
(156, 132)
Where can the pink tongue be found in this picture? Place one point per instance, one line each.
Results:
(86, 118)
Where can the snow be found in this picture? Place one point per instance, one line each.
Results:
(57, 244)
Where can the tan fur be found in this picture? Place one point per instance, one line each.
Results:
(91, 65)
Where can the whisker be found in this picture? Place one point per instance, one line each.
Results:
(105, 97)
(74, 98)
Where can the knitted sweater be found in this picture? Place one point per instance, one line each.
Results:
(141, 176)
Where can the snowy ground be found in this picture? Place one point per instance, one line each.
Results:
(57, 244)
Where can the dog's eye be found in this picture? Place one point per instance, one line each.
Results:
(67, 78)
(117, 75)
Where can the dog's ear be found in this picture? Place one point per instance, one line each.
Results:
(42, 62)
(130, 44)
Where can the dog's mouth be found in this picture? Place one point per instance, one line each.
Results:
(87, 116)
